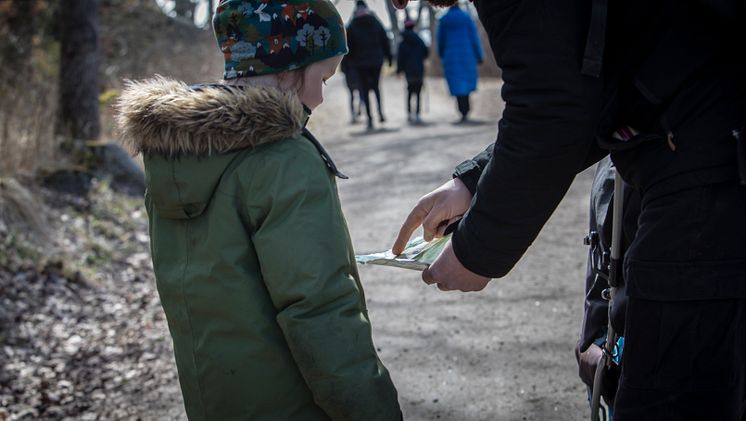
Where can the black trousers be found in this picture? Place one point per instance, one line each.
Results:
(414, 88)
(685, 326)
(463, 105)
(369, 81)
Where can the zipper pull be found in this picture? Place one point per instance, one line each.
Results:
(669, 140)
(741, 152)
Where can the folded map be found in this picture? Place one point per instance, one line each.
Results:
(417, 255)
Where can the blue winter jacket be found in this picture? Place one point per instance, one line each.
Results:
(460, 51)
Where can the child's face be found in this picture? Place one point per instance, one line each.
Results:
(314, 77)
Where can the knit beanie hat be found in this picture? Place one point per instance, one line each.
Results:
(259, 37)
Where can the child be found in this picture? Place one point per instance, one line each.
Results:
(251, 252)
(410, 60)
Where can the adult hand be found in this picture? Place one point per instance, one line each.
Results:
(449, 274)
(435, 211)
(588, 361)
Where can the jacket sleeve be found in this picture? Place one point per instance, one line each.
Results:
(470, 170)
(302, 244)
(545, 134)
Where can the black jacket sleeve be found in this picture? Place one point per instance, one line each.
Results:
(545, 135)
(470, 170)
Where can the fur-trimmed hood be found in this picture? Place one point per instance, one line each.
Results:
(168, 117)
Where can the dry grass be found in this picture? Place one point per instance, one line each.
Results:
(137, 40)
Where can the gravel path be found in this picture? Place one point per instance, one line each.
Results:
(505, 353)
(87, 339)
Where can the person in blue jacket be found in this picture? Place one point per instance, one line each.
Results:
(460, 51)
(410, 60)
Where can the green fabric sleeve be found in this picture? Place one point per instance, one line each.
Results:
(307, 263)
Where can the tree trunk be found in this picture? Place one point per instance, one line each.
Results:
(210, 13)
(418, 22)
(79, 65)
(18, 34)
(184, 9)
(394, 19)
(435, 68)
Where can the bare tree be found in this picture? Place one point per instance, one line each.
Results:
(185, 9)
(17, 34)
(394, 19)
(210, 12)
(79, 65)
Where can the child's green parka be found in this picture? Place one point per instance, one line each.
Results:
(252, 258)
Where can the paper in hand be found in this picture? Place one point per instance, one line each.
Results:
(417, 255)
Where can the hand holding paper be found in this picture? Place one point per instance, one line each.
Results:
(418, 254)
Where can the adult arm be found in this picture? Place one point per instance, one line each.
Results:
(544, 137)
(302, 243)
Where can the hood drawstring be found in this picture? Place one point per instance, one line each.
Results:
(324, 155)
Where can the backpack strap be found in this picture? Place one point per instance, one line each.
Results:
(596, 41)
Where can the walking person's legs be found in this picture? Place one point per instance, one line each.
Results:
(366, 84)
(418, 92)
(375, 75)
(414, 87)
(353, 112)
(409, 104)
(463, 106)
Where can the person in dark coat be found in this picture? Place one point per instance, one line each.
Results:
(410, 60)
(369, 46)
(460, 52)
(668, 101)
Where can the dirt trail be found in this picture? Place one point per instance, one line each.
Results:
(501, 354)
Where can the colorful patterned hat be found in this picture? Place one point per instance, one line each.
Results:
(259, 37)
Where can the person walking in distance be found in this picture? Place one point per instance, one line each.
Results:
(410, 59)
(460, 52)
(369, 46)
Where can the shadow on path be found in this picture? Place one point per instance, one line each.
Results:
(376, 131)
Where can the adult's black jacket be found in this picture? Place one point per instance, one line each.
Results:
(555, 116)
(368, 42)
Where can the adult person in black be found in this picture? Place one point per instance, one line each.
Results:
(667, 96)
(369, 45)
